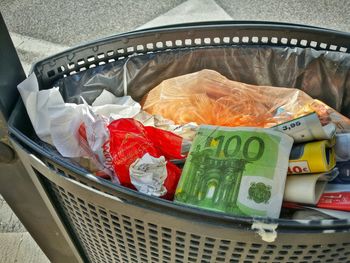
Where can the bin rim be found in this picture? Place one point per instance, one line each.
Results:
(157, 203)
(170, 207)
(205, 24)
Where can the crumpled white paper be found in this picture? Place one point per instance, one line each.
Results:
(57, 122)
(95, 119)
(37, 104)
(186, 131)
(108, 105)
(148, 174)
(66, 119)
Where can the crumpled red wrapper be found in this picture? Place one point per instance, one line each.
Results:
(130, 140)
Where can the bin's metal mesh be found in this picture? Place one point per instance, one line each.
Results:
(113, 236)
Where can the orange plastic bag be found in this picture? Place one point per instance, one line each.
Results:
(207, 97)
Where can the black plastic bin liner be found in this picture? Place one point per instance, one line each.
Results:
(324, 75)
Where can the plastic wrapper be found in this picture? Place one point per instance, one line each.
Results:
(306, 189)
(337, 192)
(130, 140)
(186, 131)
(310, 215)
(313, 213)
(307, 128)
(312, 157)
(344, 172)
(91, 160)
(207, 97)
(342, 147)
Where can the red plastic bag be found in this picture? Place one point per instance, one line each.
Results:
(130, 140)
(91, 162)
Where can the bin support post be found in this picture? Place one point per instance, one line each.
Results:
(16, 186)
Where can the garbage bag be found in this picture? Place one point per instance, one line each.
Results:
(323, 75)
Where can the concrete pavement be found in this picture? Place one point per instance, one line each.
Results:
(16, 244)
(322, 13)
(68, 22)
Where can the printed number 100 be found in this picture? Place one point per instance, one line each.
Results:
(233, 145)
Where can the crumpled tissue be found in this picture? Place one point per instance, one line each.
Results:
(148, 174)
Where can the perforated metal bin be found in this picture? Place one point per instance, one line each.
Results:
(109, 223)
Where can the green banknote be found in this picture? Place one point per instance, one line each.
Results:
(241, 171)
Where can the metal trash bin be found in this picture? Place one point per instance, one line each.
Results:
(109, 223)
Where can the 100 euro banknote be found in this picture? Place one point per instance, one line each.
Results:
(241, 171)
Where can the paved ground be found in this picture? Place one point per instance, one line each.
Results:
(69, 22)
(40, 28)
(323, 13)
(16, 244)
